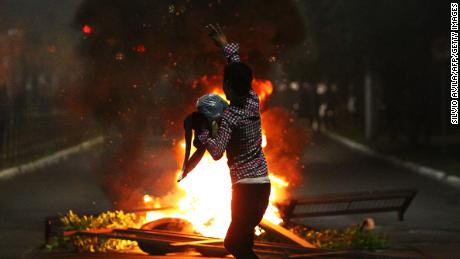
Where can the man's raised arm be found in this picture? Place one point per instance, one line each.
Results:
(231, 52)
(219, 38)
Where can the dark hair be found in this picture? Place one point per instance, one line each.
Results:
(239, 78)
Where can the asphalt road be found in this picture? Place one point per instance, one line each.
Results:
(27, 199)
(431, 224)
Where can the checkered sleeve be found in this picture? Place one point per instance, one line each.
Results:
(231, 52)
(216, 146)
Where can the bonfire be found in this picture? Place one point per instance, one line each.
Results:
(202, 200)
(197, 212)
(207, 190)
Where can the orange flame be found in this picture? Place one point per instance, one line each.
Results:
(207, 190)
(263, 88)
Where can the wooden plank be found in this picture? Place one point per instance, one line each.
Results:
(93, 230)
(285, 233)
(145, 232)
(197, 242)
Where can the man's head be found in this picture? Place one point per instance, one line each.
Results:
(237, 80)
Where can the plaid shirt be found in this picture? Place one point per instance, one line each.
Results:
(239, 134)
(231, 53)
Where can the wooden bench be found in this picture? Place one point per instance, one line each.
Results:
(349, 203)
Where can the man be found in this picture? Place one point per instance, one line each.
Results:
(240, 135)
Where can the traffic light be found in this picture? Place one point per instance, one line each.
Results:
(87, 29)
(140, 48)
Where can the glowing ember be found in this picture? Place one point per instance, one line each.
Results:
(207, 190)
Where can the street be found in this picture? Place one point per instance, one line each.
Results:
(431, 224)
(27, 199)
(126, 73)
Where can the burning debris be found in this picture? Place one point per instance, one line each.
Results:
(206, 193)
(130, 93)
(204, 214)
(122, 232)
(144, 59)
(101, 233)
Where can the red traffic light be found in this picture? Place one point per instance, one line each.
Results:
(87, 29)
(140, 48)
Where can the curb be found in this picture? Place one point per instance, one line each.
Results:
(50, 159)
(432, 173)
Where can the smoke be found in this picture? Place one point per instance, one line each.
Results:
(141, 60)
(286, 140)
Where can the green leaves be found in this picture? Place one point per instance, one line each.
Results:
(109, 219)
(350, 238)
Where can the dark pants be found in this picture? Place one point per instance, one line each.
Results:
(249, 202)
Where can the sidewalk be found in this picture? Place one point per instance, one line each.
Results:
(50, 159)
(435, 174)
(28, 198)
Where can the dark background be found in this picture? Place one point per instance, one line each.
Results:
(376, 72)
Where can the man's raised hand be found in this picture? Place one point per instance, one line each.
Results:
(217, 35)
